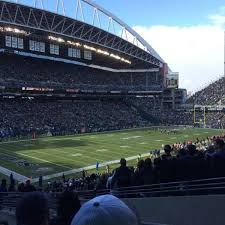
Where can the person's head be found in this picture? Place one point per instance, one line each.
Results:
(191, 149)
(33, 209)
(219, 144)
(211, 148)
(167, 149)
(28, 182)
(123, 162)
(107, 210)
(4, 183)
(68, 206)
(148, 162)
(141, 164)
(182, 153)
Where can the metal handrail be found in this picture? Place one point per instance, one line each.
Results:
(181, 188)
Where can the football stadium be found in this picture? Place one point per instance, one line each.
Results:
(88, 106)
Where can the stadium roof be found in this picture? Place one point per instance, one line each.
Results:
(85, 20)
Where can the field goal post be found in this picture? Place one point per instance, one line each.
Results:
(203, 109)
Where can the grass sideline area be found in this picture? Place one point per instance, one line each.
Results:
(51, 155)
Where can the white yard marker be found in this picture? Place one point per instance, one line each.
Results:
(102, 150)
(43, 160)
(77, 154)
(132, 137)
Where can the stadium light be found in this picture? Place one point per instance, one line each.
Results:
(97, 50)
(60, 40)
(14, 30)
(115, 56)
(102, 52)
(90, 48)
(74, 43)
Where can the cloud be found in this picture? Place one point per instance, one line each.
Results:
(197, 52)
(218, 18)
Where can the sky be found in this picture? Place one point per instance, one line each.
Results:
(187, 34)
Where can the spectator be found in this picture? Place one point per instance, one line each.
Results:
(148, 174)
(40, 181)
(29, 187)
(139, 173)
(33, 209)
(165, 166)
(3, 187)
(106, 210)
(219, 159)
(122, 175)
(21, 187)
(68, 206)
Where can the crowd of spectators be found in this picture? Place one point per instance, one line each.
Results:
(182, 116)
(213, 94)
(53, 74)
(25, 117)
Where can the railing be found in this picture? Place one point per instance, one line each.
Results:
(181, 188)
(211, 186)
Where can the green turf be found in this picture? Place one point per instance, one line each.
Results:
(65, 153)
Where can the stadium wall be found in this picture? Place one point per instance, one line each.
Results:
(185, 210)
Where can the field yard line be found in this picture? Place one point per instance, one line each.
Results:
(64, 157)
(10, 142)
(81, 152)
(73, 171)
(16, 176)
(43, 160)
(49, 154)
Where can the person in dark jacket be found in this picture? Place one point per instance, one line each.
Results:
(165, 166)
(122, 175)
(148, 175)
(33, 209)
(68, 205)
(29, 187)
(3, 186)
(219, 158)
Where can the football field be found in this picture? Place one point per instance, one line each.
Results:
(51, 156)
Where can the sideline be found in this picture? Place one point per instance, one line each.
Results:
(21, 178)
(16, 176)
(73, 171)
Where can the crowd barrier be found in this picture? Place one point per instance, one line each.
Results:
(213, 186)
